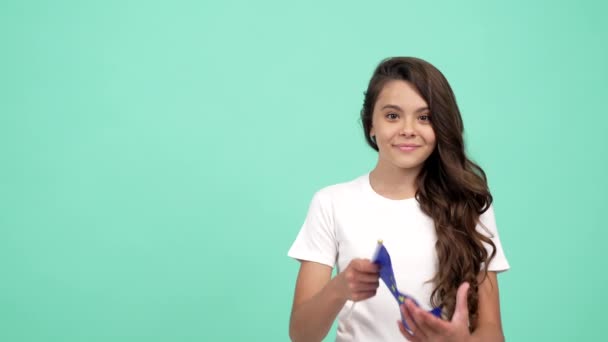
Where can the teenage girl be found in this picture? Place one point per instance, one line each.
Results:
(431, 207)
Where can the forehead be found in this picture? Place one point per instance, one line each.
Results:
(402, 94)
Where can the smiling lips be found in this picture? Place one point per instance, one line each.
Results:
(407, 147)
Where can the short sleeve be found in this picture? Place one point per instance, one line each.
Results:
(488, 227)
(316, 240)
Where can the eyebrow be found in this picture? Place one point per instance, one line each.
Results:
(392, 106)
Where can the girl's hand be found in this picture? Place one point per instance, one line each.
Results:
(426, 327)
(359, 280)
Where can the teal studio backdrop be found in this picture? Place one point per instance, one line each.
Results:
(158, 158)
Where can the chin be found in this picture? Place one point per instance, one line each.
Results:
(409, 166)
(408, 162)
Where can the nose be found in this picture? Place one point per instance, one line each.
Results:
(408, 129)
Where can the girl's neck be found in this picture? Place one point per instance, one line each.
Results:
(393, 182)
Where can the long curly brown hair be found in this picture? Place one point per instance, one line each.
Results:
(451, 189)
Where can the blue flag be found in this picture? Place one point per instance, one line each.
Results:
(383, 259)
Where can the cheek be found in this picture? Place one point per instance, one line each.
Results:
(430, 138)
(388, 132)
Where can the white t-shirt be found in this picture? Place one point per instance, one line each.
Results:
(346, 220)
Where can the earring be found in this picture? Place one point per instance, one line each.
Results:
(373, 137)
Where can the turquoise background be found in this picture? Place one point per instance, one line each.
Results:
(158, 158)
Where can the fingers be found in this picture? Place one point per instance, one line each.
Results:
(365, 266)
(429, 324)
(366, 271)
(426, 327)
(410, 320)
(361, 290)
(361, 282)
(367, 286)
(354, 276)
(461, 312)
(362, 279)
(362, 271)
(405, 333)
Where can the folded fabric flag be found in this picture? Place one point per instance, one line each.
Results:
(383, 259)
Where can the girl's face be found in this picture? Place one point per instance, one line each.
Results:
(401, 124)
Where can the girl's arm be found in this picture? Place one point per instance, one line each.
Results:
(318, 299)
(316, 303)
(489, 327)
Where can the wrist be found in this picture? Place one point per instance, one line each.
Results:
(338, 291)
(481, 335)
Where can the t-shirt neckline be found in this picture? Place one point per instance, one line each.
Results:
(368, 188)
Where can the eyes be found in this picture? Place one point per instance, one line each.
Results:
(394, 116)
